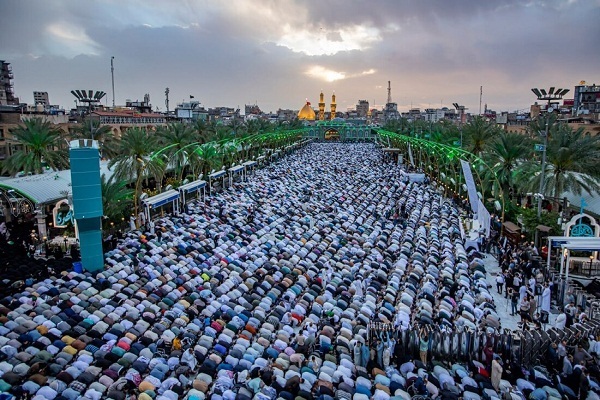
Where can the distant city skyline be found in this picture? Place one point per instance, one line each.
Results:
(279, 53)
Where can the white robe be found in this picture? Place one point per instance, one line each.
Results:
(546, 300)
(358, 287)
(189, 359)
(561, 321)
(132, 223)
(522, 293)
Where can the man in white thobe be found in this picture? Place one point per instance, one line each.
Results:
(545, 305)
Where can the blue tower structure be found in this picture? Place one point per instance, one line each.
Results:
(87, 201)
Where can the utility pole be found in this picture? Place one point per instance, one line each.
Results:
(112, 74)
(480, 96)
(167, 99)
(547, 96)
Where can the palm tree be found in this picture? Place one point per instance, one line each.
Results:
(178, 140)
(116, 198)
(505, 153)
(478, 134)
(41, 143)
(134, 160)
(572, 164)
(91, 129)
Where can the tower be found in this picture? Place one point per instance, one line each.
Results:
(391, 109)
(321, 106)
(333, 106)
(87, 201)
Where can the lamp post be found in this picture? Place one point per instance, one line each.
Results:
(541, 94)
(112, 77)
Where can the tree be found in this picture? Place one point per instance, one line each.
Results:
(572, 164)
(41, 143)
(531, 221)
(178, 140)
(134, 160)
(91, 129)
(116, 198)
(478, 134)
(505, 154)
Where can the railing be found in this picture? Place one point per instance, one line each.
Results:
(585, 268)
(526, 347)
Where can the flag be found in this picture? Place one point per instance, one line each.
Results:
(191, 97)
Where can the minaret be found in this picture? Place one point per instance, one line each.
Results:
(333, 106)
(321, 106)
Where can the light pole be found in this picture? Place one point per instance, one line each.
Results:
(112, 74)
(461, 110)
(541, 94)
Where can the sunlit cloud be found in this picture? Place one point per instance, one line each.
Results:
(322, 41)
(325, 74)
(330, 75)
(70, 40)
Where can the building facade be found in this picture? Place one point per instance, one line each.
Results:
(41, 98)
(362, 108)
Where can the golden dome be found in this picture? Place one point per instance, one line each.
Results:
(307, 112)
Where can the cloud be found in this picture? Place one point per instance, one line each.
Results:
(328, 75)
(324, 42)
(277, 52)
(71, 40)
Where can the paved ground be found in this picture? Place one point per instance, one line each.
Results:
(503, 307)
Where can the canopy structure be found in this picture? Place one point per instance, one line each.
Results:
(250, 165)
(48, 187)
(155, 202)
(190, 188)
(215, 175)
(260, 160)
(567, 244)
(238, 169)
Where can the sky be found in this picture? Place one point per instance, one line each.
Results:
(279, 53)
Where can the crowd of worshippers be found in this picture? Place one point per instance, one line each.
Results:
(524, 285)
(267, 291)
(19, 269)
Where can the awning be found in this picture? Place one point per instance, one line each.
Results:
(217, 175)
(511, 227)
(391, 150)
(48, 187)
(236, 169)
(543, 228)
(249, 163)
(260, 158)
(162, 199)
(192, 186)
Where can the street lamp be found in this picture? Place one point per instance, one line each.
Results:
(549, 96)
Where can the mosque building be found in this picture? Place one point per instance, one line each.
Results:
(308, 114)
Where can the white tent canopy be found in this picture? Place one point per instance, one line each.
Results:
(48, 187)
(566, 244)
(154, 202)
(192, 187)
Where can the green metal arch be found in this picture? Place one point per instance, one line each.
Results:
(453, 155)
